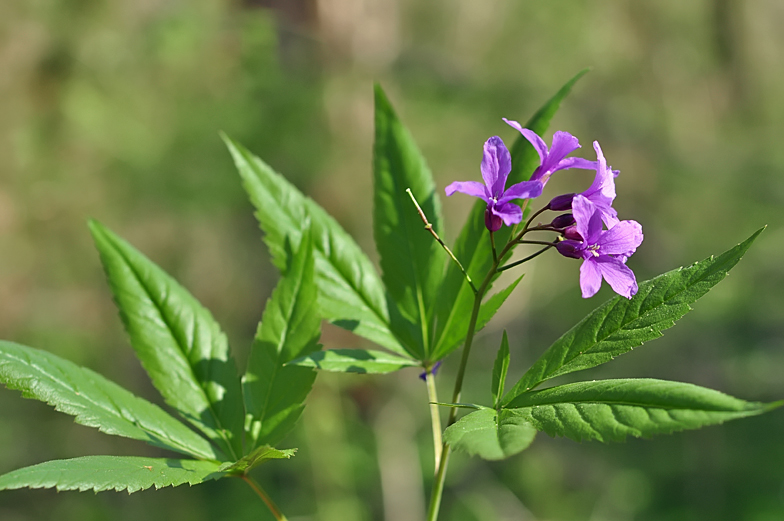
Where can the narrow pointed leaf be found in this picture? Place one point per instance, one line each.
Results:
(95, 401)
(99, 473)
(290, 328)
(500, 368)
(363, 361)
(620, 325)
(351, 294)
(454, 337)
(472, 246)
(611, 410)
(178, 342)
(256, 458)
(490, 434)
(411, 263)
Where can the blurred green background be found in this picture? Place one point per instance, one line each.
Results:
(111, 110)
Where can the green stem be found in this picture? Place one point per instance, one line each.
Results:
(264, 497)
(517, 263)
(435, 415)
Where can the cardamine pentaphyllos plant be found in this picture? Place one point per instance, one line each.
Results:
(419, 310)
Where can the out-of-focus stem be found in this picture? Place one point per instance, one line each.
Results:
(435, 416)
(264, 497)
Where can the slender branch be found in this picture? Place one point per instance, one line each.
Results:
(429, 227)
(435, 415)
(264, 497)
(517, 263)
(492, 247)
(543, 243)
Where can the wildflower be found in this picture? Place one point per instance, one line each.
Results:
(604, 252)
(495, 167)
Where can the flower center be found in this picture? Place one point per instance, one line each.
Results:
(594, 249)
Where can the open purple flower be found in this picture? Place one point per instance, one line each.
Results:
(604, 252)
(495, 167)
(553, 159)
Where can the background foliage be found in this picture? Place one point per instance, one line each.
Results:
(111, 110)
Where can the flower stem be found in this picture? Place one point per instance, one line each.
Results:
(492, 247)
(264, 497)
(517, 263)
(429, 227)
(435, 415)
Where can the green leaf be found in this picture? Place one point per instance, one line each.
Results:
(610, 410)
(620, 325)
(456, 335)
(95, 401)
(500, 368)
(363, 361)
(483, 434)
(256, 458)
(177, 341)
(472, 246)
(290, 328)
(99, 473)
(411, 263)
(350, 294)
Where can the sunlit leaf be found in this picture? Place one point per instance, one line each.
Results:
(500, 368)
(363, 361)
(256, 458)
(490, 434)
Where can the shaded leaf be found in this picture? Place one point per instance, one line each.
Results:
(611, 410)
(290, 328)
(99, 473)
(256, 458)
(95, 401)
(176, 339)
(411, 263)
(350, 294)
(361, 361)
(620, 325)
(490, 434)
(500, 368)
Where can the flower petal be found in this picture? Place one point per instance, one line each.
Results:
(563, 144)
(523, 190)
(496, 165)
(622, 239)
(509, 212)
(590, 278)
(537, 142)
(618, 275)
(473, 188)
(587, 218)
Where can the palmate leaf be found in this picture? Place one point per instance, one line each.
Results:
(362, 361)
(490, 434)
(611, 410)
(411, 263)
(99, 473)
(472, 246)
(95, 401)
(290, 328)
(351, 294)
(178, 342)
(620, 324)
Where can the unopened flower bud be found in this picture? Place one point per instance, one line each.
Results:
(561, 203)
(562, 221)
(572, 234)
(570, 248)
(493, 222)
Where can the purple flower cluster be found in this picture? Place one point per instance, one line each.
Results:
(604, 251)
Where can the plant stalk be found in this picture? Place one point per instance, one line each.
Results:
(264, 497)
(435, 416)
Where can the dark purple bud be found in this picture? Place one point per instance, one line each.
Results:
(561, 203)
(493, 222)
(570, 248)
(562, 221)
(433, 371)
(572, 233)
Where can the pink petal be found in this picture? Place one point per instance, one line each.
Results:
(588, 219)
(622, 239)
(496, 165)
(524, 190)
(590, 278)
(473, 188)
(537, 142)
(509, 212)
(618, 275)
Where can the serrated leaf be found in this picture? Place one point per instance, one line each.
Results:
(95, 401)
(500, 368)
(290, 328)
(490, 434)
(351, 294)
(456, 334)
(362, 361)
(411, 263)
(99, 473)
(176, 339)
(256, 458)
(611, 410)
(620, 325)
(472, 246)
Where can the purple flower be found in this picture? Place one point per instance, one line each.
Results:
(553, 159)
(604, 252)
(496, 165)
